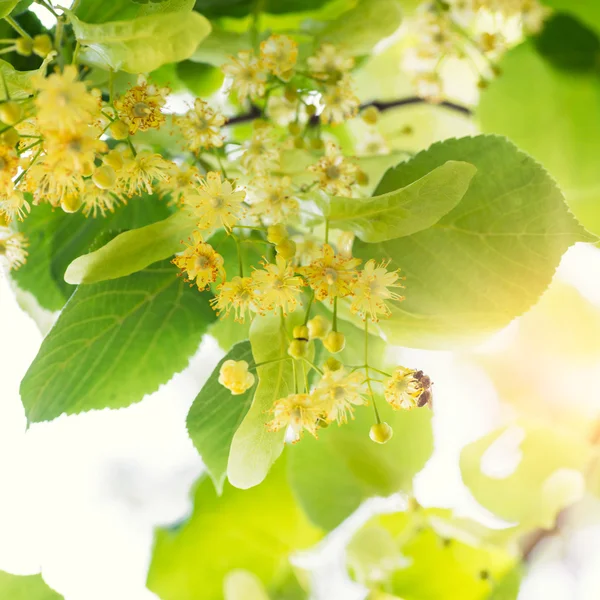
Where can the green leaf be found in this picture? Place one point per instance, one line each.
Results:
(56, 238)
(588, 12)
(533, 481)
(362, 27)
(142, 44)
(18, 82)
(215, 416)
(254, 449)
(555, 120)
(200, 78)
(92, 11)
(406, 210)
(255, 530)
(486, 261)
(6, 7)
(32, 587)
(508, 587)
(220, 45)
(114, 342)
(132, 250)
(243, 585)
(333, 475)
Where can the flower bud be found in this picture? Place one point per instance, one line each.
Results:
(344, 245)
(317, 144)
(104, 177)
(299, 143)
(334, 342)
(118, 130)
(370, 115)
(276, 233)
(10, 137)
(24, 46)
(301, 332)
(10, 112)
(290, 93)
(311, 110)
(332, 364)
(114, 159)
(318, 327)
(71, 203)
(298, 348)
(42, 45)
(381, 433)
(286, 249)
(87, 168)
(234, 375)
(295, 128)
(362, 178)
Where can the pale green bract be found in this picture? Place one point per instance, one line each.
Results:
(485, 262)
(406, 210)
(132, 250)
(215, 416)
(141, 44)
(18, 82)
(114, 342)
(31, 587)
(254, 449)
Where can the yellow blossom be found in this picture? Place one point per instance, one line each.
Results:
(200, 262)
(13, 204)
(338, 392)
(201, 127)
(248, 75)
(278, 286)
(279, 54)
(261, 153)
(272, 198)
(142, 170)
(407, 389)
(9, 165)
(12, 248)
(50, 184)
(239, 295)
(329, 63)
(95, 200)
(331, 275)
(183, 184)
(336, 173)
(140, 107)
(308, 249)
(372, 290)
(339, 103)
(74, 149)
(234, 375)
(216, 202)
(63, 102)
(298, 412)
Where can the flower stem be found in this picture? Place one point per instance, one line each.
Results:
(326, 231)
(377, 418)
(312, 365)
(307, 315)
(17, 27)
(268, 362)
(335, 304)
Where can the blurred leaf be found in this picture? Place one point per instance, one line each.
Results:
(333, 475)
(144, 43)
(508, 587)
(6, 7)
(239, 8)
(362, 27)
(588, 12)
(555, 120)
(114, 342)
(92, 11)
(32, 587)
(405, 210)
(520, 464)
(216, 415)
(255, 530)
(486, 261)
(132, 250)
(254, 449)
(18, 82)
(220, 45)
(56, 238)
(200, 78)
(243, 585)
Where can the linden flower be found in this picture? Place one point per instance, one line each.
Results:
(298, 412)
(331, 275)
(338, 392)
(50, 184)
(308, 249)
(9, 165)
(340, 103)
(142, 170)
(277, 286)
(184, 183)
(272, 198)
(336, 174)
(75, 150)
(140, 107)
(63, 103)
(329, 63)
(201, 127)
(248, 75)
(13, 204)
(216, 202)
(238, 295)
(234, 375)
(94, 200)
(200, 262)
(403, 389)
(279, 54)
(261, 153)
(12, 248)
(372, 290)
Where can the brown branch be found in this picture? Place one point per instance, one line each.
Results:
(255, 112)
